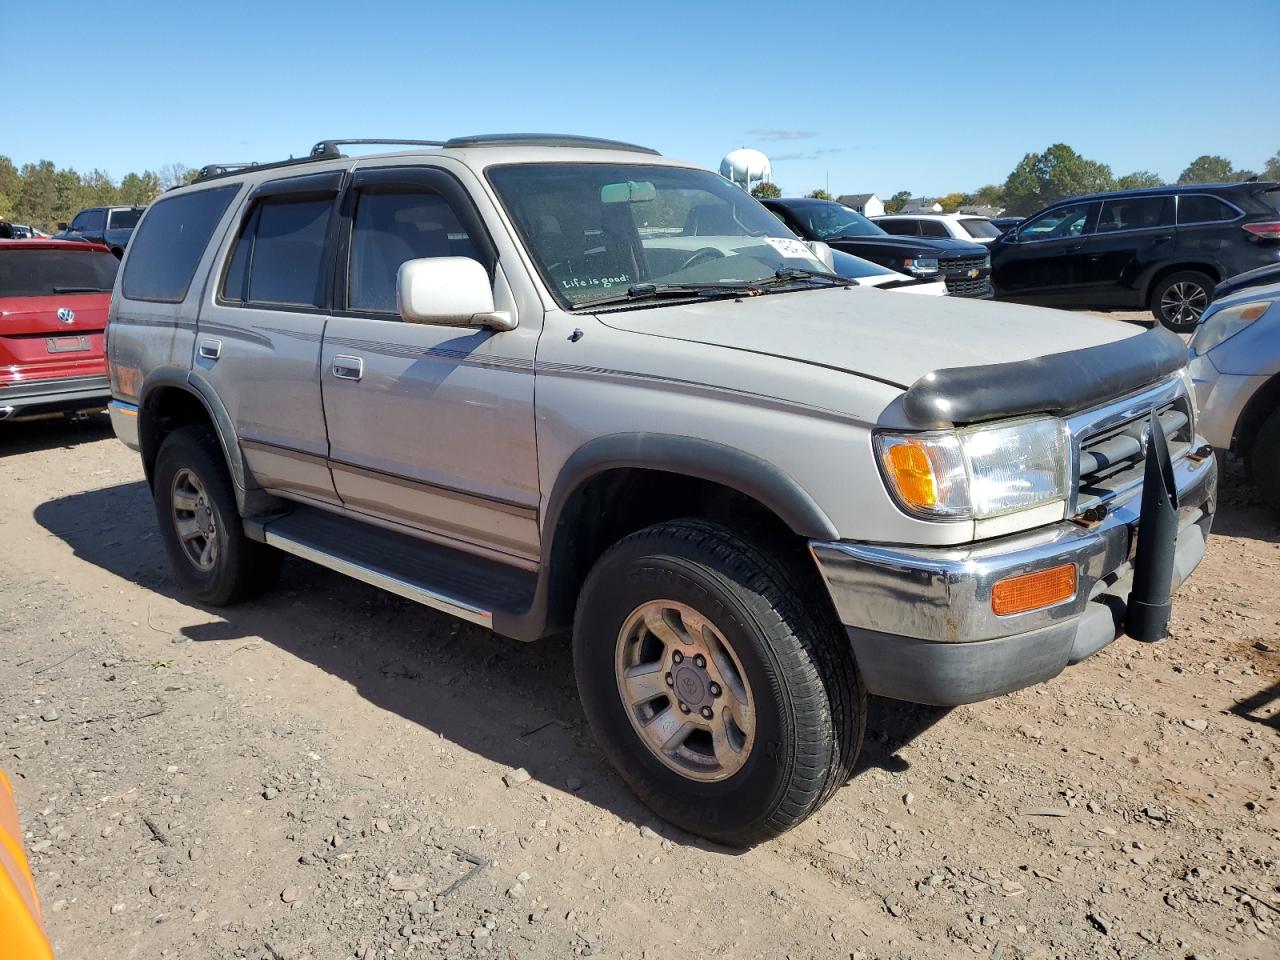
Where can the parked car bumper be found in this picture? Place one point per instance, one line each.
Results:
(38, 397)
(921, 622)
(1220, 399)
(124, 421)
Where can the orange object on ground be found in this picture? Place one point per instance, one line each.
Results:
(21, 928)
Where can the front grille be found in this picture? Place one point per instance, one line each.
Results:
(962, 265)
(962, 286)
(1111, 452)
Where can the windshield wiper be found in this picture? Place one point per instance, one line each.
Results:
(650, 291)
(791, 274)
(81, 289)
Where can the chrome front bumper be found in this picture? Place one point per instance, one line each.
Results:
(920, 619)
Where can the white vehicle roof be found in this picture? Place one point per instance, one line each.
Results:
(930, 216)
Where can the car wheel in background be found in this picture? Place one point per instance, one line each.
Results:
(716, 682)
(1178, 299)
(200, 524)
(1262, 461)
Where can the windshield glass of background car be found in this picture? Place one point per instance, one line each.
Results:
(597, 228)
(826, 221)
(123, 219)
(979, 229)
(35, 273)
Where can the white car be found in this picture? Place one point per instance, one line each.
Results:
(957, 226)
(869, 274)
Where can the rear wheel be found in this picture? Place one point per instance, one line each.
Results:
(1179, 299)
(717, 681)
(200, 524)
(1263, 460)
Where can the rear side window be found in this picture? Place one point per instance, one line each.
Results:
(1202, 208)
(164, 253)
(36, 272)
(123, 219)
(280, 256)
(902, 228)
(933, 228)
(1135, 213)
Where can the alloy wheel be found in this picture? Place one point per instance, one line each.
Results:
(1183, 303)
(194, 519)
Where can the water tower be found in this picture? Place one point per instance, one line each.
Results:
(746, 167)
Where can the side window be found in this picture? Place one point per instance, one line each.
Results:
(1135, 213)
(90, 221)
(280, 255)
(1058, 224)
(901, 228)
(164, 253)
(392, 225)
(1202, 208)
(933, 228)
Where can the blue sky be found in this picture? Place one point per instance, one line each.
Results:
(868, 97)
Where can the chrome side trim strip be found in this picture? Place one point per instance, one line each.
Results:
(384, 581)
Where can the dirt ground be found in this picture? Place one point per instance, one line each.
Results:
(320, 774)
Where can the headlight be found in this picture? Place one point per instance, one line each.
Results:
(921, 266)
(977, 472)
(1224, 324)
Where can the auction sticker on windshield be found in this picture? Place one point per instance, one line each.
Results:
(790, 248)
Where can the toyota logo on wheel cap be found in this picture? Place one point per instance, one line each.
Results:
(66, 315)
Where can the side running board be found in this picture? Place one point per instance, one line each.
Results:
(457, 583)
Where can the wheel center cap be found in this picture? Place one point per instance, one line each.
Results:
(691, 685)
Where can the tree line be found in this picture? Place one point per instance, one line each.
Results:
(41, 195)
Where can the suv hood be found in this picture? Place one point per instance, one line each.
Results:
(876, 334)
(938, 245)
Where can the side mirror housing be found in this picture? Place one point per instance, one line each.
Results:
(449, 291)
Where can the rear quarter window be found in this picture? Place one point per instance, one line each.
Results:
(1202, 208)
(165, 250)
(40, 272)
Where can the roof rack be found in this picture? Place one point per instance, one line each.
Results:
(329, 148)
(544, 140)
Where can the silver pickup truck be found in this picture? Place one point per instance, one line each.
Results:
(554, 383)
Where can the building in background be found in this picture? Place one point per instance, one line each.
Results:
(981, 210)
(867, 204)
(922, 205)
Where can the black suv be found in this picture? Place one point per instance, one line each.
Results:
(966, 267)
(1162, 248)
(110, 226)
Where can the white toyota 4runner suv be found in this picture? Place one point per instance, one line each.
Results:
(551, 383)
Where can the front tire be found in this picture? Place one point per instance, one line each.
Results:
(717, 681)
(1263, 460)
(200, 525)
(1179, 299)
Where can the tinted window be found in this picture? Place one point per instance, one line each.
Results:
(1202, 208)
(36, 272)
(89, 220)
(123, 219)
(901, 228)
(280, 255)
(392, 227)
(1135, 213)
(978, 228)
(933, 228)
(825, 220)
(1057, 224)
(163, 255)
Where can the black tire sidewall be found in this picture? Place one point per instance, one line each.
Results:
(623, 581)
(1263, 460)
(1182, 276)
(196, 449)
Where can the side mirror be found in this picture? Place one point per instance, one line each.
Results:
(823, 252)
(61, 225)
(450, 291)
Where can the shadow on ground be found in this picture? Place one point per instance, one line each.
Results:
(29, 436)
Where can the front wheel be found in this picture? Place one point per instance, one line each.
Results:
(717, 682)
(1263, 460)
(1179, 299)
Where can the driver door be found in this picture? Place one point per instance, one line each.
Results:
(1044, 260)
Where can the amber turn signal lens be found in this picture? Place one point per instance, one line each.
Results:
(913, 474)
(1031, 591)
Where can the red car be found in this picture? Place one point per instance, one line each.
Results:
(54, 296)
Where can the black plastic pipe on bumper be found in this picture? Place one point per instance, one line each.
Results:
(1149, 608)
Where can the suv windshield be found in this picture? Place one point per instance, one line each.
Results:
(825, 220)
(123, 219)
(978, 228)
(597, 228)
(41, 272)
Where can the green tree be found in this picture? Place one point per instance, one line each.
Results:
(99, 189)
(764, 190)
(37, 194)
(1209, 168)
(1272, 170)
(1044, 178)
(139, 189)
(819, 194)
(953, 202)
(176, 175)
(10, 184)
(989, 196)
(70, 196)
(895, 203)
(1139, 179)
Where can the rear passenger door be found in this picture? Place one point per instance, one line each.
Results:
(430, 426)
(258, 342)
(1134, 236)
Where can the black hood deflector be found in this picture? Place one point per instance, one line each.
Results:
(1057, 384)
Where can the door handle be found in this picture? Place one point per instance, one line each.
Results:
(210, 349)
(1074, 248)
(1162, 238)
(348, 368)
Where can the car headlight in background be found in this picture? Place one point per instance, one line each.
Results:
(977, 472)
(921, 266)
(1224, 324)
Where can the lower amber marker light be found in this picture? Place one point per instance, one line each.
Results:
(1032, 591)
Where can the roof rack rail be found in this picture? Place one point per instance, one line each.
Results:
(545, 140)
(329, 148)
